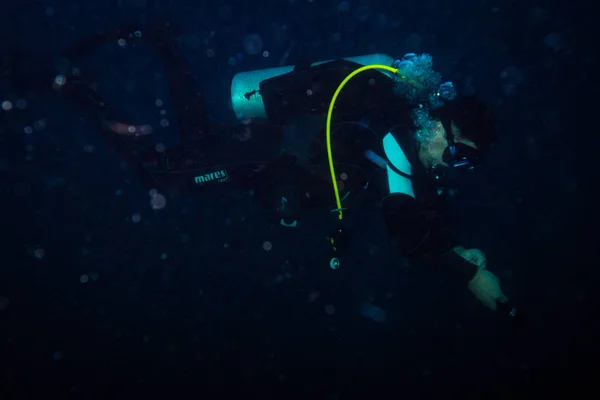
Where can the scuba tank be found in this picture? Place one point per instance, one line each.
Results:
(246, 100)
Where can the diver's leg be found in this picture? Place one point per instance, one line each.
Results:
(119, 134)
(244, 152)
(185, 95)
(185, 92)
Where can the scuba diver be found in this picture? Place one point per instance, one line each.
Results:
(315, 134)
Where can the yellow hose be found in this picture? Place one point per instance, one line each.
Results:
(357, 71)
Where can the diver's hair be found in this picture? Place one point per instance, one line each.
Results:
(473, 118)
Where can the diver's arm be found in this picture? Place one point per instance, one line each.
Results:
(417, 234)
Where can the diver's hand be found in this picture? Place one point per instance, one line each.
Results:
(486, 287)
(474, 256)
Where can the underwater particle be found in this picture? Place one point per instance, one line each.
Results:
(265, 54)
(313, 296)
(158, 202)
(192, 42)
(225, 12)
(413, 41)
(512, 75)
(60, 80)
(279, 34)
(159, 103)
(159, 147)
(145, 129)
(343, 7)
(121, 42)
(252, 44)
(58, 355)
(163, 256)
(164, 122)
(344, 176)
(84, 278)
(21, 104)
(62, 65)
(210, 53)
(88, 148)
(39, 253)
(381, 21)
(555, 41)
(467, 90)
(118, 192)
(28, 130)
(373, 312)
(40, 125)
(232, 61)
(135, 218)
(152, 192)
(7, 105)
(267, 246)
(329, 309)
(362, 13)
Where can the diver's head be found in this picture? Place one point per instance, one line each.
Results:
(455, 136)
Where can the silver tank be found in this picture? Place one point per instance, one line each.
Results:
(245, 82)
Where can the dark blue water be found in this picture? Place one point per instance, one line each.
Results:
(187, 301)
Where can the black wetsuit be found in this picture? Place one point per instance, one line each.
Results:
(209, 155)
(417, 226)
